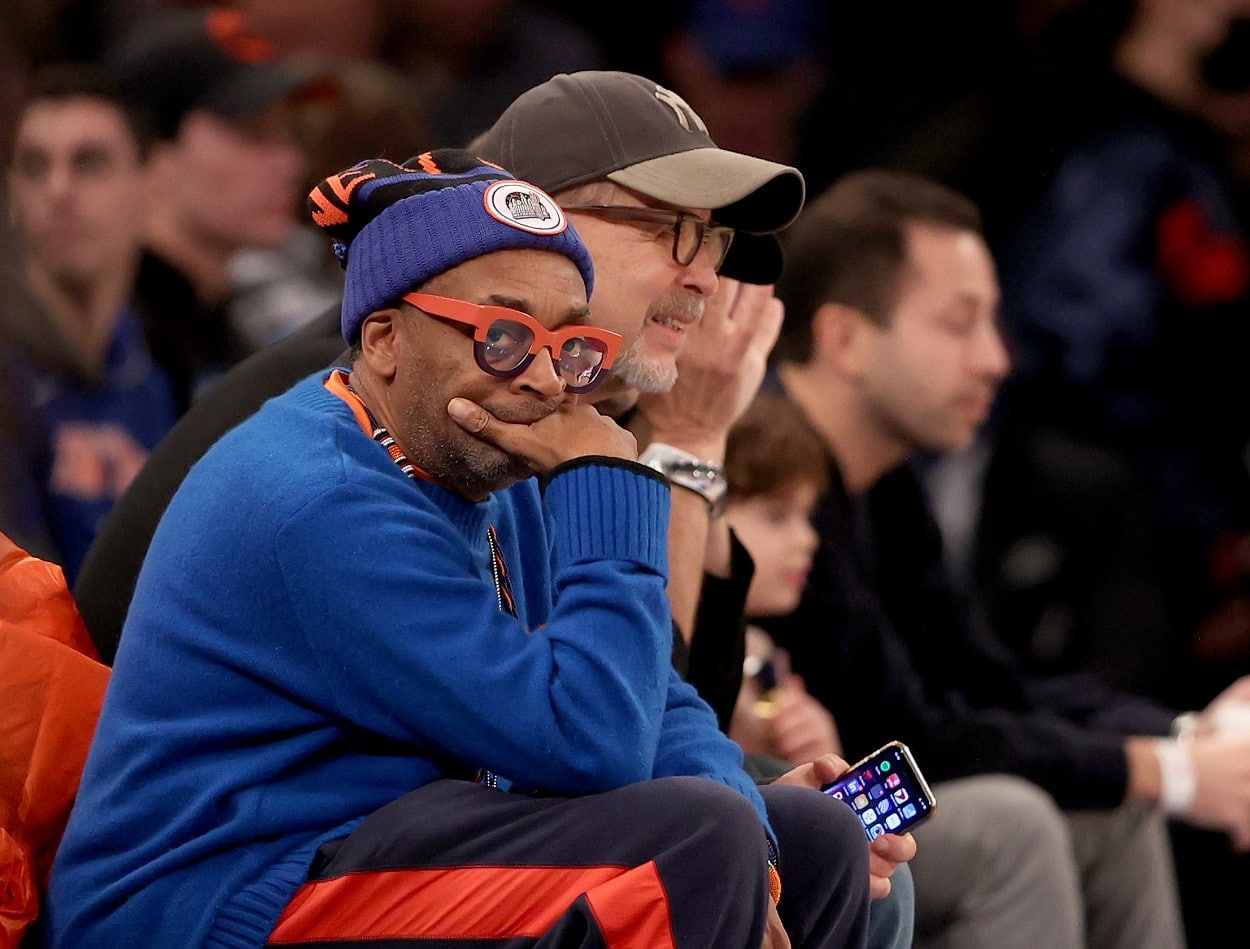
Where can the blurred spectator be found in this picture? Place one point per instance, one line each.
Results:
(224, 175)
(1126, 290)
(750, 68)
(907, 86)
(325, 32)
(375, 109)
(35, 33)
(471, 58)
(89, 401)
(467, 60)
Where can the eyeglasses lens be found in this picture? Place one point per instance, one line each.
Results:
(691, 235)
(580, 359)
(507, 344)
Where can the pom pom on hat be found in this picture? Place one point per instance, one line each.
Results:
(396, 226)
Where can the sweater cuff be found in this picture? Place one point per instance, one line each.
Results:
(609, 509)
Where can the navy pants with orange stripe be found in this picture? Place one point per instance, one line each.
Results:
(675, 862)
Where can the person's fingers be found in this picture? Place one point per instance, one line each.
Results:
(829, 767)
(878, 865)
(756, 305)
(879, 887)
(721, 305)
(572, 431)
(470, 416)
(896, 848)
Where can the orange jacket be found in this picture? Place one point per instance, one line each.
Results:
(52, 687)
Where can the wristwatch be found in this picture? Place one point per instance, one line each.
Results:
(704, 478)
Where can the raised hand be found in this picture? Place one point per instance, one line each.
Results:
(572, 431)
(720, 369)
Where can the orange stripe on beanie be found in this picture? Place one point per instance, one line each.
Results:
(396, 226)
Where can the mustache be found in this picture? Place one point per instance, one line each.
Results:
(679, 303)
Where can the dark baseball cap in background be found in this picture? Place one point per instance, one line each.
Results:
(175, 61)
(600, 125)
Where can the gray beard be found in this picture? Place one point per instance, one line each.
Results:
(643, 374)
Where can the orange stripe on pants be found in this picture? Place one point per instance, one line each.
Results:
(630, 905)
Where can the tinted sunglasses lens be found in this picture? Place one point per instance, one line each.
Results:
(580, 361)
(507, 345)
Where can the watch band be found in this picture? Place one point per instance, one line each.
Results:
(685, 470)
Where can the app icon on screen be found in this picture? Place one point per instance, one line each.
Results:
(893, 821)
(909, 811)
(885, 766)
(869, 818)
(893, 781)
(875, 831)
(853, 786)
(900, 795)
(866, 777)
(860, 802)
(883, 807)
(876, 791)
(837, 794)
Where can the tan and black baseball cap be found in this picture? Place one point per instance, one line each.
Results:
(615, 126)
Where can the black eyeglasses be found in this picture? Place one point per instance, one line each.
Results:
(690, 232)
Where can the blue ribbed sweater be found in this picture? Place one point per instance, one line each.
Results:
(314, 635)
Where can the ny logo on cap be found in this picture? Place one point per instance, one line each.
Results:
(685, 115)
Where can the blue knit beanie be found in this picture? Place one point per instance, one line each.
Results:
(396, 226)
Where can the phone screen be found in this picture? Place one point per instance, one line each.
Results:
(886, 791)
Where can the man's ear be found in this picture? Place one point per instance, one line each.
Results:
(841, 337)
(378, 341)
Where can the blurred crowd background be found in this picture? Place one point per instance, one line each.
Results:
(1104, 520)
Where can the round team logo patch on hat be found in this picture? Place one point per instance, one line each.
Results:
(523, 206)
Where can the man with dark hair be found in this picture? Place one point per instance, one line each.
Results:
(892, 347)
(224, 175)
(378, 684)
(88, 402)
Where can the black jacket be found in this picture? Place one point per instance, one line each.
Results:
(884, 641)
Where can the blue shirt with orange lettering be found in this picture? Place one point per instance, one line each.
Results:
(97, 434)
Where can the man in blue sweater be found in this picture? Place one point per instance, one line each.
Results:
(365, 695)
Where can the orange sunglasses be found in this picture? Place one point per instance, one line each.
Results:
(505, 341)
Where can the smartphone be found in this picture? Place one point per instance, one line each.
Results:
(886, 791)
